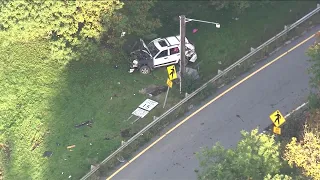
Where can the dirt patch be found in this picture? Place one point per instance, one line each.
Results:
(153, 90)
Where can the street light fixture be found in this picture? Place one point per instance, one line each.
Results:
(217, 24)
(183, 21)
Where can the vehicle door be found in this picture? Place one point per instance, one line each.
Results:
(174, 54)
(161, 59)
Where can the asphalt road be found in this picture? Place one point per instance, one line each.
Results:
(283, 85)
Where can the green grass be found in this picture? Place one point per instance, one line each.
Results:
(235, 37)
(41, 103)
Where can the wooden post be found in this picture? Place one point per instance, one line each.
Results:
(182, 48)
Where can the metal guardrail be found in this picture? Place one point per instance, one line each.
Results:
(224, 72)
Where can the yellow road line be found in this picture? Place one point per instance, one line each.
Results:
(204, 106)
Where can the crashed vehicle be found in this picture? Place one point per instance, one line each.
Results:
(158, 53)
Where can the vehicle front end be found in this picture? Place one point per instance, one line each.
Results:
(142, 59)
(191, 52)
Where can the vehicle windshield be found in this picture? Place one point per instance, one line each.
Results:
(153, 49)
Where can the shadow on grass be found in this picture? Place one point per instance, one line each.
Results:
(97, 92)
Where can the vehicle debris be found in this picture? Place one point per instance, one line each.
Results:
(88, 123)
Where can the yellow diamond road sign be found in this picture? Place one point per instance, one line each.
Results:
(276, 130)
(172, 72)
(277, 118)
(169, 83)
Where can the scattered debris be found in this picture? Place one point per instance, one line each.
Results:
(88, 123)
(69, 176)
(72, 146)
(35, 145)
(123, 34)
(47, 154)
(58, 144)
(120, 159)
(106, 138)
(90, 144)
(194, 31)
(85, 135)
(238, 116)
(118, 82)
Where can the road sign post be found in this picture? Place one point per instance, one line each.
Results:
(169, 83)
(165, 99)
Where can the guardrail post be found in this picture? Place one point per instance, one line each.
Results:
(285, 27)
(251, 49)
(318, 5)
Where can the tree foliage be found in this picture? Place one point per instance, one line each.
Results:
(73, 25)
(255, 156)
(65, 23)
(305, 154)
(134, 18)
(237, 6)
(314, 54)
(277, 177)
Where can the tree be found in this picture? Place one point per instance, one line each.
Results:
(277, 177)
(237, 6)
(255, 156)
(65, 23)
(305, 154)
(314, 53)
(134, 19)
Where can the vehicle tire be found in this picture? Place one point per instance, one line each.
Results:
(145, 69)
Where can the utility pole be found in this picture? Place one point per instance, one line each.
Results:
(182, 48)
(183, 21)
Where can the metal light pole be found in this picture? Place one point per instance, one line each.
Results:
(183, 21)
